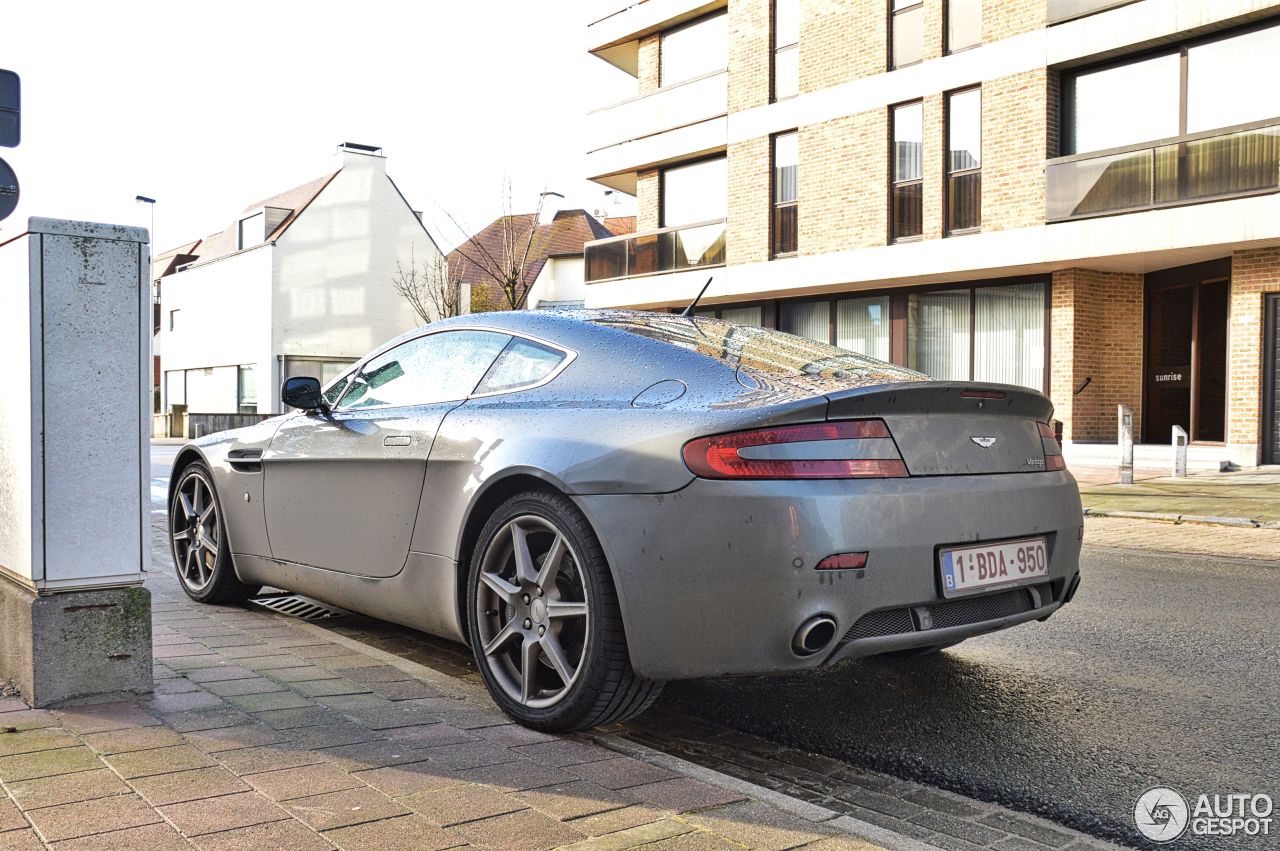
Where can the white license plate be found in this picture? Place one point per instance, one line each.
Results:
(999, 564)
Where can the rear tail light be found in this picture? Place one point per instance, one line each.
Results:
(981, 394)
(799, 452)
(1052, 449)
(843, 561)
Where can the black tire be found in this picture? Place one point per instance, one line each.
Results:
(604, 688)
(206, 577)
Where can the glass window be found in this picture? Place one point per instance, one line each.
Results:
(441, 367)
(908, 171)
(1008, 335)
(964, 24)
(809, 319)
(334, 393)
(907, 23)
(248, 390)
(698, 192)
(938, 334)
(786, 48)
(753, 315)
(699, 48)
(1125, 104)
(862, 326)
(1218, 75)
(786, 156)
(173, 319)
(964, 160)
(521, 363)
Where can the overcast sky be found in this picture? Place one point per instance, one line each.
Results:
(210, 107)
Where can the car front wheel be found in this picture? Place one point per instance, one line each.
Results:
(545, 625)
(198, 540)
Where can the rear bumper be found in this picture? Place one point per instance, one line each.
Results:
(716, 578)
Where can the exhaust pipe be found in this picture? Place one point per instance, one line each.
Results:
(814, 635)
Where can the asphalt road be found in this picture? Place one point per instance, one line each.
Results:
(1165, 670)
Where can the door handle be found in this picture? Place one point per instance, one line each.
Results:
(397, 440)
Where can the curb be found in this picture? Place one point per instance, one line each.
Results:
(794, 806)
(1208, 520)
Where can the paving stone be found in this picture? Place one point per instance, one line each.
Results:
(252, 685)
(879, 819)
(221, 672)
(246, 651)
(21, 840)
(222, 642)
(306, 673)
(331, 735)
(462, 714)
(428, 735)
(191, 785)
(890, 805)
(377, 674)
(152, 837)
(177, 685)
(473, 754)
(612, 821)
(68, 821)
(366, 701)
(28, 719)
(513, 735)
(944, 802)
(683, 794)
(132, 739)
(208, 718)
(406, 833)
(564, 752)
(10, 816)
(47, 763)
(184, 664)
(410, 778)
(269, 701)
(620, 772)
(951, 843)
(273, 836)
(566, 801)
(66, 789)
(405, 690)
(518, 775)
(446, 807)
(224, 813)
(396, 715)
(30, 741)
(268, 758)
(632, 837)
(274, 661)
(843, 843)
(523, 831)
(694, 841)
(306, 716)
(101, 717)
(321, 650)
(1028, 828)
(354, 660)
(177, 651)
(758, 825)
(343, 809)
(328, 688)
(169, 704)
(959, 828)
(158, 761)
(305, 780)
(1017, 843)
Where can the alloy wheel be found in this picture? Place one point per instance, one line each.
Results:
(195, 531)
(532, 612)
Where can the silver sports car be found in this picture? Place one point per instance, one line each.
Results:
(599, 501)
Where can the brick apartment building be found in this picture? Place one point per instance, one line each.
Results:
(1079, 196)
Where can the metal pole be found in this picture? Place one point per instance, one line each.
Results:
(1124, 416)
(1179, 439)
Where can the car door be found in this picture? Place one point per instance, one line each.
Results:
(342, 488)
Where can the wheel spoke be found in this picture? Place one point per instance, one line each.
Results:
(184, 535)
(197, 503)
(566, 609)
(208, 512)
(189, 561)
(504, 635)
(529, 652)
(525, 571)
(504, 589)
(207, 543)
(555, 655)
(188, 510)
(551, 563)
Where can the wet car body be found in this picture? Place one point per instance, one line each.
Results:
(379, 510)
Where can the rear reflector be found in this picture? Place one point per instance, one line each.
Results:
(981, 394)
(717, 457)
(843, 561)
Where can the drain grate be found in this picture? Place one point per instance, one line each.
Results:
(297, 606)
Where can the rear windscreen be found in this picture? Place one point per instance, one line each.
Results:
(771, 355)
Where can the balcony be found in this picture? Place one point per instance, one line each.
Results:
(672, 249)
(668, 108)
(1067, 10)
(1210, 166)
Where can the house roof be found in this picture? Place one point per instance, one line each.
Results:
(618, 225)
(223, 243)
(563, 235)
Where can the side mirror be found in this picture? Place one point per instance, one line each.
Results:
(302, 392)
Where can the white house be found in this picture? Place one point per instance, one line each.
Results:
(299, 284)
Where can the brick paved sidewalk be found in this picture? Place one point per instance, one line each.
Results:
(264, 733)
(1188, 538)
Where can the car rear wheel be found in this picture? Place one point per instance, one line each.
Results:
(545, 625)
(198, 540)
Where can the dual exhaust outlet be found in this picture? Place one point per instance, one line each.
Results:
(814, 635)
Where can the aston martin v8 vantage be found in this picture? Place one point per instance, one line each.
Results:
(600, 501)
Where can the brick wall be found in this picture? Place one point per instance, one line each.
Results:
(1015, 126)
(935, 160)
(1253, 273)
(647, 62)
(843, 177)
(749, 201)
(1095, 332)
(750, 53)
(842, 40)
(1005, 18)
(648, 200)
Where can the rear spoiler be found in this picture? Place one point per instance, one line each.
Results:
(939, 397)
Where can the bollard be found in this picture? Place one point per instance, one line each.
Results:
(1124, 415)
(1179, 439)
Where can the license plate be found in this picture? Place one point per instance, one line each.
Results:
(999, 564)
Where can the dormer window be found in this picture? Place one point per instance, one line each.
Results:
(251, 231)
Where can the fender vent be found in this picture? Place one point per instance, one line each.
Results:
(297, 606)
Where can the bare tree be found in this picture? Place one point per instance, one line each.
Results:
(507, 263)
(432, 290)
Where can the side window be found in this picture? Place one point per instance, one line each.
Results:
(521, 363)
(334, 393)
(442, 367)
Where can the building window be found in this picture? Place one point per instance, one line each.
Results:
(786, 156)
(810, 319)
(697, 192)
(964, 24)
(861, 323)
(247, 385)
(981, 334)
(906, 24)
(749, 315)
(173, 319)
(964, 161)
(907, 212)
(786, 48)
(694, 50)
